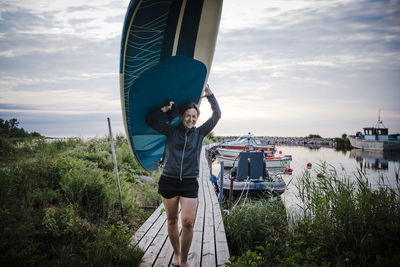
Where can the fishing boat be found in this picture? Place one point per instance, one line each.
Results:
(271, 161)
(376, 138)
(251, 176)
(245, 143)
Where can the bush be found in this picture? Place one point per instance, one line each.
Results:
(59, 205)
(255, 224)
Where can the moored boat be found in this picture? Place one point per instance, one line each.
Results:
(376, 138)
(251, 176)
(245, 143)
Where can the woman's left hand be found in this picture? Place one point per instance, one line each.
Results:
(207, 91)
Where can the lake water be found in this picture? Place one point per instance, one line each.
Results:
(376, 164)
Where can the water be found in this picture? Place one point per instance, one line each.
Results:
(376, 164)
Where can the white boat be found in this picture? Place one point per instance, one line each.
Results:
(376, 138)
(251, 176)
(245, 143)
(270, 161)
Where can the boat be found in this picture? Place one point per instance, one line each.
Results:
(245, 143)
(271, 161)
(376, 138)
(251, 176)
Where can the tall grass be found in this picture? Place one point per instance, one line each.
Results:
(344, 221)
(59, 204)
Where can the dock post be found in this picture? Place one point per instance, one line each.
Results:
(115, 167)
(230, 193)
(221, 184)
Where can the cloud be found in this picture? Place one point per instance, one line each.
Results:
(279, 66)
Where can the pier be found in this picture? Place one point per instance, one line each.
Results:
(209, 244)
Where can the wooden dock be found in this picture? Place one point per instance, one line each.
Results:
(209, 245)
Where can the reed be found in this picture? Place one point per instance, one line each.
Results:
(344, 221)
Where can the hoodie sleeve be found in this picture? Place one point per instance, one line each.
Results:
(216, 115)
(153, 120)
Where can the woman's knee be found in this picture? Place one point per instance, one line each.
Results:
(172, 220)
(187, 223)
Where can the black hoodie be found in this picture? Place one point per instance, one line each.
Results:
(183, 146)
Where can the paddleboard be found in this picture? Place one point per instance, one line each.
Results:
(167, 48)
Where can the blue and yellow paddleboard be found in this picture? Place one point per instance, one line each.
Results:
(167, 48)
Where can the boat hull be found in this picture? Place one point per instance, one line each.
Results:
(374, 145)
(255, 188)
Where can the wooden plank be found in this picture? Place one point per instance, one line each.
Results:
(167, 251)
(146, 226)
(153, 250)
(148, 238)
(194, 256)
(221, 244)
(208, 253)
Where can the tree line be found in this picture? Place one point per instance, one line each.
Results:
(10, 129)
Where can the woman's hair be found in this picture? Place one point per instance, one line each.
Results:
(188, 105)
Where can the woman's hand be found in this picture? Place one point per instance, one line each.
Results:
(207, 91)
(167, 107)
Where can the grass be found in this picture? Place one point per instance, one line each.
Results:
(59, 203)
(343, 222)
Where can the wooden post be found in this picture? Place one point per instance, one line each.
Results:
(115, 167)
(230, 193)
(221, 184)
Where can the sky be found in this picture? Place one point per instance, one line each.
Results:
(280, 68)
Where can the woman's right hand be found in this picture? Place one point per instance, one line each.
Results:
(167, 107)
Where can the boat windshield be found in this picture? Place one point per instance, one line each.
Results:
(242, 140)
(260, 142)
(245, 140)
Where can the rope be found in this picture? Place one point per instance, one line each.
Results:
(241, 194)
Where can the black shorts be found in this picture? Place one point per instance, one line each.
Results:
(172, 187)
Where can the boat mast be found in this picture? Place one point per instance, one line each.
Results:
(379, 120)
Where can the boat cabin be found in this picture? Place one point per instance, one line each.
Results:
(380, 134)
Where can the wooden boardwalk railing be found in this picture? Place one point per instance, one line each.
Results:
(209, 245)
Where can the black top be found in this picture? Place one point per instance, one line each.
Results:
(183, 145)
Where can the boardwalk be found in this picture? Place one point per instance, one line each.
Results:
(209, 245)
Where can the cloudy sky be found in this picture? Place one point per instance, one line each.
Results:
(281, 68)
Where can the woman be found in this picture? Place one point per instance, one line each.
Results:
(178, 182)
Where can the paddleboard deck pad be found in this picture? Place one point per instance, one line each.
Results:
(166, 53)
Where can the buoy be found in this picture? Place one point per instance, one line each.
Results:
(288, 170)
(309, 165)
(319, 175)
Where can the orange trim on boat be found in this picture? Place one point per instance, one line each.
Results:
(247, 148)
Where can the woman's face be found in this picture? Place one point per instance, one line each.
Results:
(189, 118)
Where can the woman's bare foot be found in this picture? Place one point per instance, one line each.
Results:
(176, 260)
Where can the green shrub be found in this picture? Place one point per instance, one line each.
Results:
(344, 222)
(347, 220)
(59, 206)
(85, 186)
(255, 224)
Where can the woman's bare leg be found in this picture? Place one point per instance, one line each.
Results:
(171, 206)
(188, 212)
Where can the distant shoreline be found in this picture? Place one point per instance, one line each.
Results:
(291, 141)
(274, 140)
